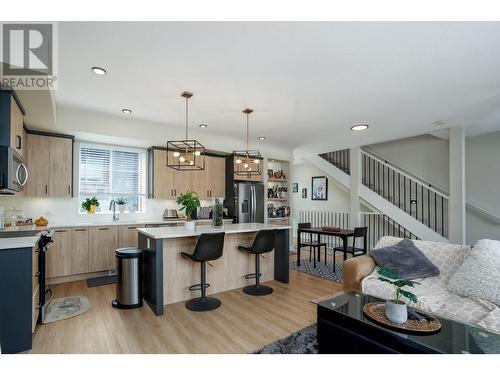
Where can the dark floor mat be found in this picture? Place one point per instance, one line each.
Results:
(99, 281)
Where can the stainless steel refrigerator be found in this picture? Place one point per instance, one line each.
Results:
(250, 202)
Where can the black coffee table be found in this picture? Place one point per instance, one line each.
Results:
(344, 329)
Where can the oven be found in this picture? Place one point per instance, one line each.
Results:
(13, 172)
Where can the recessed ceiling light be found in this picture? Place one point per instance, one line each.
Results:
(203, 126)
(262, 138)
(98, 70)
(127, 111)
(441, 122)
(359, 127)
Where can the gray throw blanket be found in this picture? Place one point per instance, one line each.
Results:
(406, 259)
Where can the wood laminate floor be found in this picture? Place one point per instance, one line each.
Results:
(241, 325)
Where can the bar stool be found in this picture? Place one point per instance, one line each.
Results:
(209, 247)
(263, 243)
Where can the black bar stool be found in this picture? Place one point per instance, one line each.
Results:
(209, 247)
(263, 243)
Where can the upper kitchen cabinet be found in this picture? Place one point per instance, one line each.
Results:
(11, 121)
(164, 182)
(50, 164)
(215, 177)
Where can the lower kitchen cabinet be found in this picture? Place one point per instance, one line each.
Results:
(79, 250)
(103, 241)
(59, 255)
(128, 235)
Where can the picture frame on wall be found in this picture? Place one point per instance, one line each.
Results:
(304, 193)
(295, 187)
(319, 188)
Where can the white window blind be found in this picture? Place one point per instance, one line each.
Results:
(110, 173)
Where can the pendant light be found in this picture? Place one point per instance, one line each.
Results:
(247, 162)
(187, 154)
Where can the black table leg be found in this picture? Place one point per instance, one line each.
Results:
(344, 245)
(319, 249)
(299, 246)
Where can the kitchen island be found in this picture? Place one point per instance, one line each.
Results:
(167, 276)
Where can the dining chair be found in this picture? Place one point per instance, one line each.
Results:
(313, 245)
(359, 232)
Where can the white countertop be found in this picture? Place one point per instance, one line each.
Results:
(18, 242)
(176, 232)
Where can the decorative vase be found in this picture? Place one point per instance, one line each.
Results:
(190, 225)
(396, 312)
(92, 209)
(121, 208)
(217, 213)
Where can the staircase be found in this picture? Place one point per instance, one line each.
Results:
(404, 199)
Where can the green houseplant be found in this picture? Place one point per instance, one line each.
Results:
(90, 205)
(396, 309)
(189, 202)
(122, 204)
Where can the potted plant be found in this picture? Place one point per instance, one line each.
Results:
(90, 205)
(121, 203)
(189, 202)
(396, 310)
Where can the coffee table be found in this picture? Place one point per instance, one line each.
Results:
(344, 329)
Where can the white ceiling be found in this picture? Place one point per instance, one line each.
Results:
(308, 82)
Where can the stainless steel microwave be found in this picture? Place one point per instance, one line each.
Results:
(13, 172)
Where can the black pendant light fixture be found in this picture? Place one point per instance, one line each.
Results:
(247, 162)
(187, 154)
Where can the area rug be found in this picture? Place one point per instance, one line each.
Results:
(301, 342)
(321, 270)
(103, 280)
(65, 308)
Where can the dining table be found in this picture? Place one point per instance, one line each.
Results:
(343, 234)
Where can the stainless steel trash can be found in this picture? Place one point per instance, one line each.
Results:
(129, 283)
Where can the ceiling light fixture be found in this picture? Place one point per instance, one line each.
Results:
(187, 154)
(243, 159)
(98, 70)
(127, 111)
(262, 138)
(441, 122)
(359, 127)
(203, 126)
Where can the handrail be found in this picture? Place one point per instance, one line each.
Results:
(404, 173)
(490, 215)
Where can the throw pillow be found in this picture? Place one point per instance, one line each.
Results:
(479, 275)
(406, 259)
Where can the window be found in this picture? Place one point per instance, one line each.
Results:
(108, 173)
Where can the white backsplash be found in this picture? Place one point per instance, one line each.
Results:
(65, 210)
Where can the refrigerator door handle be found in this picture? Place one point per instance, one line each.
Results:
(252, 217)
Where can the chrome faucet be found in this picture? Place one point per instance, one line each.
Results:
(112, 204)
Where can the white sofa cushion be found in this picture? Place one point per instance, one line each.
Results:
(432, 293)
(479, 275)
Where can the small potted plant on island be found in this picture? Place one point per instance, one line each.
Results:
(189, 202)
(396, 310)
(90, 205)
(121, 203)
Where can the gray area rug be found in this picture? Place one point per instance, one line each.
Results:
(301, 342)
(321, 270)
(65, 308)
(103, 280)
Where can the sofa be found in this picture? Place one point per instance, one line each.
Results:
(360, 274)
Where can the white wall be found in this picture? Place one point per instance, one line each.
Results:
(338, 199)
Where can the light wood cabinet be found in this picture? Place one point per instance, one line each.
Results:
(215, 177)
(103, 241)
(61, 166)
(50, 165)
(128, 235)
(16, 127)
(79, 251)
(165, 180)
(58, 256)
(37, 159)
(193, 181)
